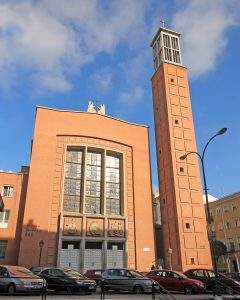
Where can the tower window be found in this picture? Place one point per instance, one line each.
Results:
(172, 79)
(176, 121)
(181, 169)
(175, 44)
(166, 48)
(187, 225)
(192, 261)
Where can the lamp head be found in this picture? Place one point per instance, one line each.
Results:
(41, 243)
(222, 131)
(183, 157)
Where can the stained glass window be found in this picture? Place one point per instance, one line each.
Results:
(73, 181)
(93, 182)
(113, 185)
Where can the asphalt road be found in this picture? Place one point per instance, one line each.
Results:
(114, 297)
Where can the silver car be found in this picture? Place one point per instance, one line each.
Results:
(128, 280)
(15, 279)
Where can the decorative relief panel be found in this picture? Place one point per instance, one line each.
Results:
(72, 226)
(116, 228)
(95, 227)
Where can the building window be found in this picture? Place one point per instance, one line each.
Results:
(113, 201)
(231, 247)
(171, 48)
(187, 225)
(234, 207)
(166, 48)
(3, 247)
(73, 181)
(7, 191)
(226, 208)
(4, 218)
(95, 180)
(93, 183)
(228, 225)
(218, 210)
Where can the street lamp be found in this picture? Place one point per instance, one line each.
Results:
(41, 244)
(209, 221)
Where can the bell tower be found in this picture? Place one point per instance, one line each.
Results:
(183, 217)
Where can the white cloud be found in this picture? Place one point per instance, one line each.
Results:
(135, 73)
(132, 97)
(204, 25)
(53, 39)
(103, 78)
(53, 82)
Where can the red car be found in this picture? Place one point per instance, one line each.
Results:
(95, 275)
(177, 282)
(208, 277)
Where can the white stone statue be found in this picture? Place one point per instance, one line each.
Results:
(91, 107)
(101, 109)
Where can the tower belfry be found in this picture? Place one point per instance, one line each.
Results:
(183, 217)
(166, 47)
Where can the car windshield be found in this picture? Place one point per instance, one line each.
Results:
(19, 271)
(180, 274)
(74, 274)
(222, 276)
(136, 274)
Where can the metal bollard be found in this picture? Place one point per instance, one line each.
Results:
(102, 295)
(153, 291)
(44, 291)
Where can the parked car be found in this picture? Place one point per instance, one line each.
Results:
(127, 280)
(36, 270)
(234, 275)
(176, 281)
(59, 279)
(15, 279)
(208, 277)
(95, 275)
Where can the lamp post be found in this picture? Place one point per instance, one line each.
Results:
(41, 244)
(209, 221)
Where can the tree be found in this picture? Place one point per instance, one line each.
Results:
(219, 249)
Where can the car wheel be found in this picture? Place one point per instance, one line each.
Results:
(11, 289)
(138, 290)
(188, 290)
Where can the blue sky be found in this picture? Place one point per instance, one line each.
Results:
(63, 53)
